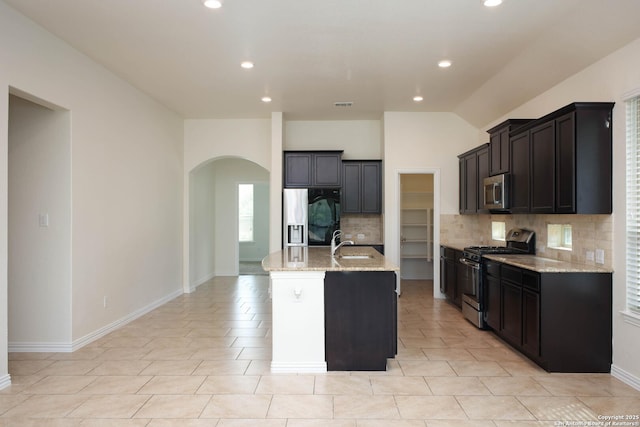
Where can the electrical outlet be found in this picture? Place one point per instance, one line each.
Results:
(541, 249)
(43, 219)
(590, 256)
(348, 236)
(599, 256)
(360, 236)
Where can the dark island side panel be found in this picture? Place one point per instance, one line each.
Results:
(360, 320)
(576, 323)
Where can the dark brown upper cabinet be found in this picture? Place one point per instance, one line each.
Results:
(361, 186)
(312, 169)
(499, 152)
(474, 168)
(519, 178)
(562, 162)
(542, 146)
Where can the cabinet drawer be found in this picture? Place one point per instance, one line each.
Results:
(512, 274)
(531, 280)
(492, 268)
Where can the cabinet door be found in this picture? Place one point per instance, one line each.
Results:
(470, 185)
(543, 164)
(511, 300)
(483, 172)
(451, 285)
(531, 322)
(351, 187)
(566, 164)
(371, 184)
(519, 192)
(443, 272)
(492, 301)
(297, 170)
(327, 168)
(499, 149)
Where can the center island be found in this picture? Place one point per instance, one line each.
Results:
(336, 313)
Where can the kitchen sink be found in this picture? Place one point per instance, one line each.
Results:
(355, 256)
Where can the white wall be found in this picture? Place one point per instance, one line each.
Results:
(202, 223)
(360, 139)
(211, 139)
(39, 257)
(126, 184)
(259, 247)
(606, 80)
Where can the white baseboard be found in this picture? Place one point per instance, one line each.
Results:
(298, 367)
(625, 377)
(5, 381)
(201, 281)
(53, 347)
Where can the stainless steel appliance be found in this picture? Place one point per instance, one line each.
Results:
(295, 217)
(518, 241)
(496, 192)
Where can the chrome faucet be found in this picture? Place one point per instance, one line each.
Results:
(334, 246)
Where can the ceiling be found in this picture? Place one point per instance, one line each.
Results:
(309, 54)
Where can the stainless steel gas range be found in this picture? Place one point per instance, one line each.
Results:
(518, 241)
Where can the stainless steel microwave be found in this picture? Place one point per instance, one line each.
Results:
(496, 192)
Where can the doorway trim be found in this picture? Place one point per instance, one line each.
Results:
(436, 221)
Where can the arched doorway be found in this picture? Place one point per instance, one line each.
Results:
(213, 216)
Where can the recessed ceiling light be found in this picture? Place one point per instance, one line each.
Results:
(445, 63)
(247, 65)
(417, 98)
(492, 3)
(212, 4)
(266, 99)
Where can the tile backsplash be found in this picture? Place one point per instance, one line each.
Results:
(369, 226)
(589, 232)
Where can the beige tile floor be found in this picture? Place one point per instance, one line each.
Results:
(203, 360)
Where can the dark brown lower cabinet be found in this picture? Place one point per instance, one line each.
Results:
(492, 308)
(561, 321)
(576, 322)
(360, 320)
(511, 327)
(531, 323)
(448, 273)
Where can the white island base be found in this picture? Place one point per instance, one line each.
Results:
(298, 322)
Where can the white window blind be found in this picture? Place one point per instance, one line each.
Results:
(633, 204)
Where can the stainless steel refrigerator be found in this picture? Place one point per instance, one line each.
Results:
(295, 217)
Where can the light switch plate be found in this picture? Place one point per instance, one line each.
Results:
(599, 256)
(590, 256)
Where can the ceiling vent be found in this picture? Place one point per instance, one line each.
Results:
(343, 104)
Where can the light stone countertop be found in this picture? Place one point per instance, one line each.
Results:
(546, 265)
(319, 259)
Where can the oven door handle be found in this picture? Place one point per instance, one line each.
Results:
(472, 264)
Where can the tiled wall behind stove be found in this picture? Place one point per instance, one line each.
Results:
(589, 232)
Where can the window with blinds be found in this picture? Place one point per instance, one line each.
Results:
(633, 204)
